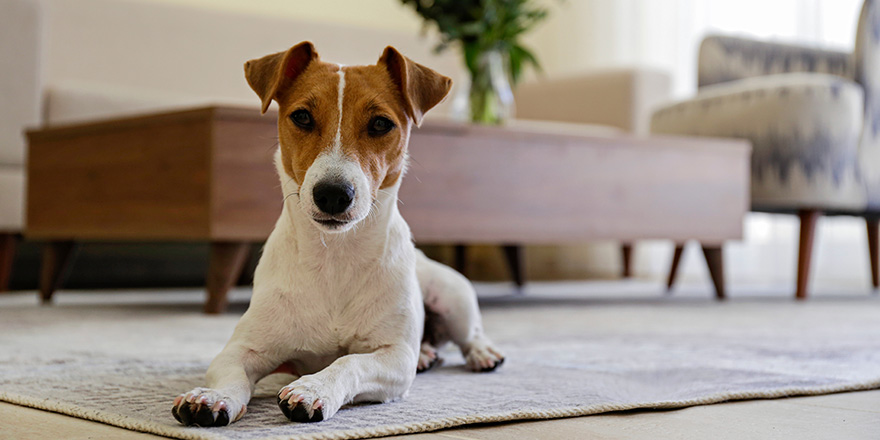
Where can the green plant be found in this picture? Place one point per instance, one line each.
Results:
(481, 27)
(484, 25)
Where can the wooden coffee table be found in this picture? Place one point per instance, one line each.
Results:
(206, 174)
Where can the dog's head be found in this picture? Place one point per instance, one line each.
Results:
(343, 131)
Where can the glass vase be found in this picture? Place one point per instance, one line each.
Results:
(486, 96)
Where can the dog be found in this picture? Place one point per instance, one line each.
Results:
(342, 299)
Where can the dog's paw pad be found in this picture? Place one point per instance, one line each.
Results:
(298, 406)
(427, 358)
(204, 407)
(484, 358)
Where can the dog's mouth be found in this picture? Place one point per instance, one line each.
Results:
(331, 224)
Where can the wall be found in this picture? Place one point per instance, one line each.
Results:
(378, 14)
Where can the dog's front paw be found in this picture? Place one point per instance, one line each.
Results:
(206, 407)
(303, 401)
(483, 357)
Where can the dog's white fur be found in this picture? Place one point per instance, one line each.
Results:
(344, 308)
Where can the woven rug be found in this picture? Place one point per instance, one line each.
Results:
(123, 365)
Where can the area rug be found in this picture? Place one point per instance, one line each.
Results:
(123, 366)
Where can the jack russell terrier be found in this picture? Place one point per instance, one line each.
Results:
(342, 299)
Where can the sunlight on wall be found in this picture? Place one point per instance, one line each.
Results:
(589, 34)
(377, 14)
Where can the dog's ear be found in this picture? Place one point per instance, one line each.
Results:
(273, 73)
(421, 87)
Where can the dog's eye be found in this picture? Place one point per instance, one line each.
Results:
(303, 119)
(379, 125)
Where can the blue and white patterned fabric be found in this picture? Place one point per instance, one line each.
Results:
(813, 117)
(867, 73)
(804, 128)
(724, 59)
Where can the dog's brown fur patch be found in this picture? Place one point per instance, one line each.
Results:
(395, 88)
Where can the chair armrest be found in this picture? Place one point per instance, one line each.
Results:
(622, 98)
(725, 59)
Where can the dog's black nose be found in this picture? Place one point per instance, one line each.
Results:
(333, 197)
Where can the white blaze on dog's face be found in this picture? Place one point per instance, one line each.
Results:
(343, 130)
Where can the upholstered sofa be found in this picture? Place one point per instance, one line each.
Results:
(813, 117)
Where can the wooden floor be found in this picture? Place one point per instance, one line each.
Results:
(851, 416)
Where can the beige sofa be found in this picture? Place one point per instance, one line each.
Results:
(67, 61)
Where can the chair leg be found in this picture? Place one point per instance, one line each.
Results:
(673, 269)
(227, 262)
(8, 242)
(715, 261)
(513, 254)
(874, 249)
(809, 218)
(626, 252)
(461, 259)
(57, 256)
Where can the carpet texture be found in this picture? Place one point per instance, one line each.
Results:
(123, 365)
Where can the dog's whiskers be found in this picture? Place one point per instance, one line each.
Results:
(397, 199)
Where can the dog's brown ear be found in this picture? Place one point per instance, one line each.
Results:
(421, 87)
(273, 73)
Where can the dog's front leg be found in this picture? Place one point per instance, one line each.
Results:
(383, 375)
(231, 378)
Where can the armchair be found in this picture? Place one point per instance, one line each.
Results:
(813, 117)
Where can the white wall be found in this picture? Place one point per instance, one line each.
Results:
(587, 34)
(377, 14)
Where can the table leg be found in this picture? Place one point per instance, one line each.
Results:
(461, 259)
(227, 262)
(513, 254)
(57, 256)
(626, 250)
(873, 224)
(8, 242)
(673, 268)
(715, 261)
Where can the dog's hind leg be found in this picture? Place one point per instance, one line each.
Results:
(450, 299)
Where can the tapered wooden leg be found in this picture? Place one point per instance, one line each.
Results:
(247, 274)
(626, 251)
(461, 259)
(8, 242)
(715, 261)
(673, 269)
(513, 254)
(874, 249)
(809, 218)
(227, 261)
(57, 256)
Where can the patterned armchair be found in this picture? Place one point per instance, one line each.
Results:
(813, 117)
